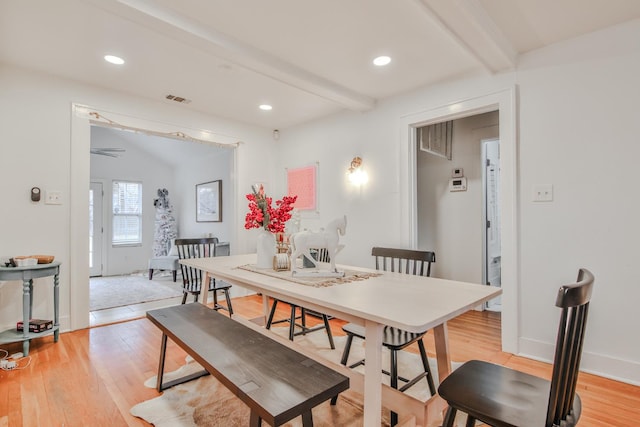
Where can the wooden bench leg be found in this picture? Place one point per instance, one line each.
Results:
(307, 419)
(163, 352)
(159, 385)
(255, 420)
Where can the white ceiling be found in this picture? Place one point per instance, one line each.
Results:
(306, 58)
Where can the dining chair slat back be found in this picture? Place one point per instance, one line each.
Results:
(406, 261)
(192, 277)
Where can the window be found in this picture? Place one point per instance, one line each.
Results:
(127, 213)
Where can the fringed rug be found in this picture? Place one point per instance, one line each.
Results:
(206, 403)
(116, 291)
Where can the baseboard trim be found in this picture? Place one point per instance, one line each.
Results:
(606, 366)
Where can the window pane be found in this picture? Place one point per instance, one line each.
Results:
(127, 213)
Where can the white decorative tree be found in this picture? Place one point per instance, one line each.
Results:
(165, 225)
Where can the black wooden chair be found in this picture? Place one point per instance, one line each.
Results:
(402, 261)
(503, 397)
(303, 328)
(192, 277)
(320, 255)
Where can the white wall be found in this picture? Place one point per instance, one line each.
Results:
(43, 144)
(216, 166)
(450, 223)
(577, 130)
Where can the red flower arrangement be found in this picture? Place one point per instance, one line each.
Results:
(262, 214)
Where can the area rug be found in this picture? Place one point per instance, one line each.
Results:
(205, 402)
(117, 291)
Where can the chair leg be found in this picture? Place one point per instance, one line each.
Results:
(427, 369)
(347, 349)
(292, 322)
(228, 298)
(273, 311)
(215, 296)
(151, 274)
(450, 417)
(184, 297)
(303, 320)
(393, 362)
(175, 275)
(328, 328)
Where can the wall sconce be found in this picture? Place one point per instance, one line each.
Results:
(357, 176)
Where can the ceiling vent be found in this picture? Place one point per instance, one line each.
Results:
(178, 99)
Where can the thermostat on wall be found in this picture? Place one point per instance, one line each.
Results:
(458, 184)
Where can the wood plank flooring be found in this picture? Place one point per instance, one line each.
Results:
(92, 377)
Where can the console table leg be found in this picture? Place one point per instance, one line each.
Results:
(30, 299)
(26, 313)
(56, 307)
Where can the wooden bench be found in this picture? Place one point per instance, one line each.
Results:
(275, 381)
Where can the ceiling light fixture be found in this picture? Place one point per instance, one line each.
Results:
(381, 61)
(114, 59)
(266, 107)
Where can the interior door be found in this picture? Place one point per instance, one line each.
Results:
(96, 229)
(491, 208)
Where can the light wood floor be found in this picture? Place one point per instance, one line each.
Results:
(92, 377)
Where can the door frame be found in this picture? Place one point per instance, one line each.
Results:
(103, 240)
(504, 101)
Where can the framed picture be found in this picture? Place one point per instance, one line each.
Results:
(209, 201)
(302, 182)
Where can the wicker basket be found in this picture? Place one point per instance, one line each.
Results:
(43, 259)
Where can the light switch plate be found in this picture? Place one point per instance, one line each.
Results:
(53, 197)
(543, 193)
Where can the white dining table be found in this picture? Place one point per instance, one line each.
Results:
(412, 303)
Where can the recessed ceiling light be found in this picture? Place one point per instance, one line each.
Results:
(114, 59)
(381, 61)
(266, 107)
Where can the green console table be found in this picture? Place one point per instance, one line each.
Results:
(27, 274)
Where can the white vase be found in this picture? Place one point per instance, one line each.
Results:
(266, 249)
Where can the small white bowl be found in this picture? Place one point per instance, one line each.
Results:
(26, 262)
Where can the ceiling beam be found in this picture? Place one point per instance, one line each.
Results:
(225, 47)
(469, 24)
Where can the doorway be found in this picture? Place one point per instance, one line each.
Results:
(451, 215)
(452, 107)
(492, 251)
